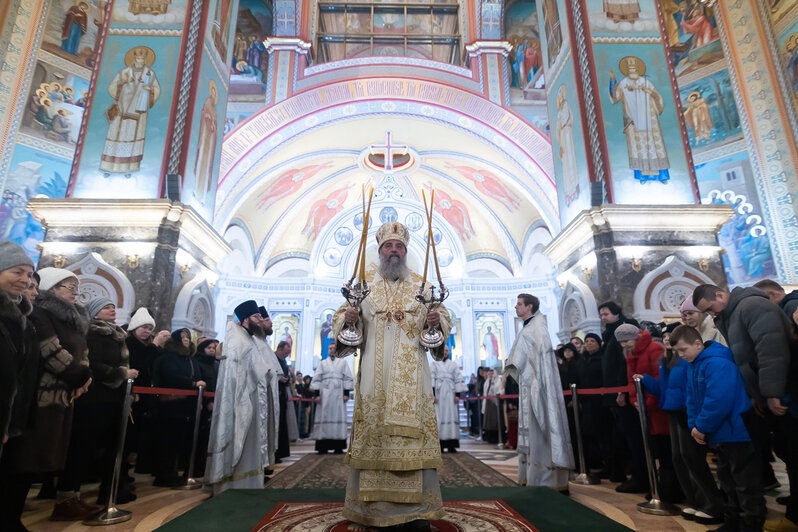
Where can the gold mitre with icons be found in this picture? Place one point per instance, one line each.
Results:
(392, 231)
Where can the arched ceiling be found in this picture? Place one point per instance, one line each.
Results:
(302, 198)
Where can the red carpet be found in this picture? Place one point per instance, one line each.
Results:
(326, 517)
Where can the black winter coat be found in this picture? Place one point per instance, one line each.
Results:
(19, 366)
(760, 337)
(142, 358)
(789, 303)
(108, 360)
(613, 364)
(177, 368)
(209, 369)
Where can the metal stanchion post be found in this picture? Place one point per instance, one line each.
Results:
(111, 514)
(654, 506)
(191, 482)
(499, 418)
(584, 477)
(479, 417)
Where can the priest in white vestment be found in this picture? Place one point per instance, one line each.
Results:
(545, 457)
(332, 382)
(447, 380)
(394, 450)
(235, 450)
(268, 391)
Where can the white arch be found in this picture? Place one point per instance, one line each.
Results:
(661, 291)
(100, 279)
(578, 309)
(194, 308)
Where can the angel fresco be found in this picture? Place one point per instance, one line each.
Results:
(323, 211)
(697, 117)
(490, 185)
(454, 212)
(287, 183)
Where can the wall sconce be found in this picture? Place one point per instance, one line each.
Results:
(183, 269)
(703, 264)
(588, 272)
(59, 261)
(563, 284)
(133, 261)
(637, 264)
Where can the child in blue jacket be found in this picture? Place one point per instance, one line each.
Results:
(716, 398)
(704, 499)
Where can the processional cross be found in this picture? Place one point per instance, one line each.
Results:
(388, 148)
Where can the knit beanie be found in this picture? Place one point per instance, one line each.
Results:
(141, 317)
(627, 331)
(52, 276)
(687, 305)
(95, 305)
(594, 336)
(11, 255)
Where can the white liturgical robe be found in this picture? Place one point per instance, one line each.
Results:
(545, 457)
(447, 381)
(331, 378)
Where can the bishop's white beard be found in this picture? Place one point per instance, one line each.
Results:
(393, 268)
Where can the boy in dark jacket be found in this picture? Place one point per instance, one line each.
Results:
(716, 399)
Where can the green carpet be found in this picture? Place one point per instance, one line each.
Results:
(240, 510)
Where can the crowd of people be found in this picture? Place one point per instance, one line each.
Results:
(64, 368)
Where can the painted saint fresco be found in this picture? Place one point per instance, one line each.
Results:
(286, 329)
(490, 339)
(642, 104)
(564, 131)
(134, 89)
(791, 61)
(220, 19)
(161, 14)
(710, 111)
(249, 63)
(205, 158)
(55, 105)
(126, 133)
(692, 34)
(744, 238)
(627, 17)
(521, 29)
(72, 30)
(32, 174)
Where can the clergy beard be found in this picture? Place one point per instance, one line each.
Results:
(393, 268)
(254, 329)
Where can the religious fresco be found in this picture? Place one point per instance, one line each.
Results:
(129, 107)
(455, 340)
(250, 60)
(32, 174)
(205, 143)
(788, 45)
(781, 9)
(324, 336)
(55, 106)
(623, 17)
(219, 30)
(692, 35)
(161, 14)
(552, 15)
(521, 29)
(286, 329)
(573, 186)
(489, 329)
(639, 108)
(744, 238)
(72, 29)
(710, 111)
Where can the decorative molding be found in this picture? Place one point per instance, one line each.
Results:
(636, 218)
(478, 48)
(720, 151)
(100, 279)
(68, 66)
(54, 148)
(578, 308)
(702, 72)
(194, 308)
(626, 40)
(661, 291)
(145, 32)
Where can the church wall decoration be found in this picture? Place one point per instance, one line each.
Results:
(522, 30)
(249, 58)
(635, 87)
(201, 171)
(286, 328)
(149, 14)
(710, 112)
(32, 173)
(551, 16)
(692, 35)
(72, 30)
(219, 31)
(788, 47)
(631, 18)
(489, 328)
(323, 335)
(748, 257)
(105, 165)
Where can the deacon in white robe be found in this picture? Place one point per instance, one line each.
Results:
(235, 449)
(332, 382)
(268, 392)
(545, 457)
(447, 380)
(394, 451)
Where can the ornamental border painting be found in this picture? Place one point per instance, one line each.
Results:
(150, 14)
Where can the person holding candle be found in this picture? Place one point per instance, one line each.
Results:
(394, 449)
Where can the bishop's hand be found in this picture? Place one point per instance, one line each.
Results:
(351, 315)
(433, 318)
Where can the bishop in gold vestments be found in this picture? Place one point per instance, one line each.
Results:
(394, 450)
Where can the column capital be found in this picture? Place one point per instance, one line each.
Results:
(478, 48)
(286, 44)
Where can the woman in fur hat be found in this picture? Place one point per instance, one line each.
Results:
(61, 326)
(101, 407)
(19, 363)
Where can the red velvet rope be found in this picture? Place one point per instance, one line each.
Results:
(193, 393)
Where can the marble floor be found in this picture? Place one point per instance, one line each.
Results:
(155, 506)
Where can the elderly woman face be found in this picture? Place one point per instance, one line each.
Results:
(16, 280)
(66, 290)
(591, 345)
